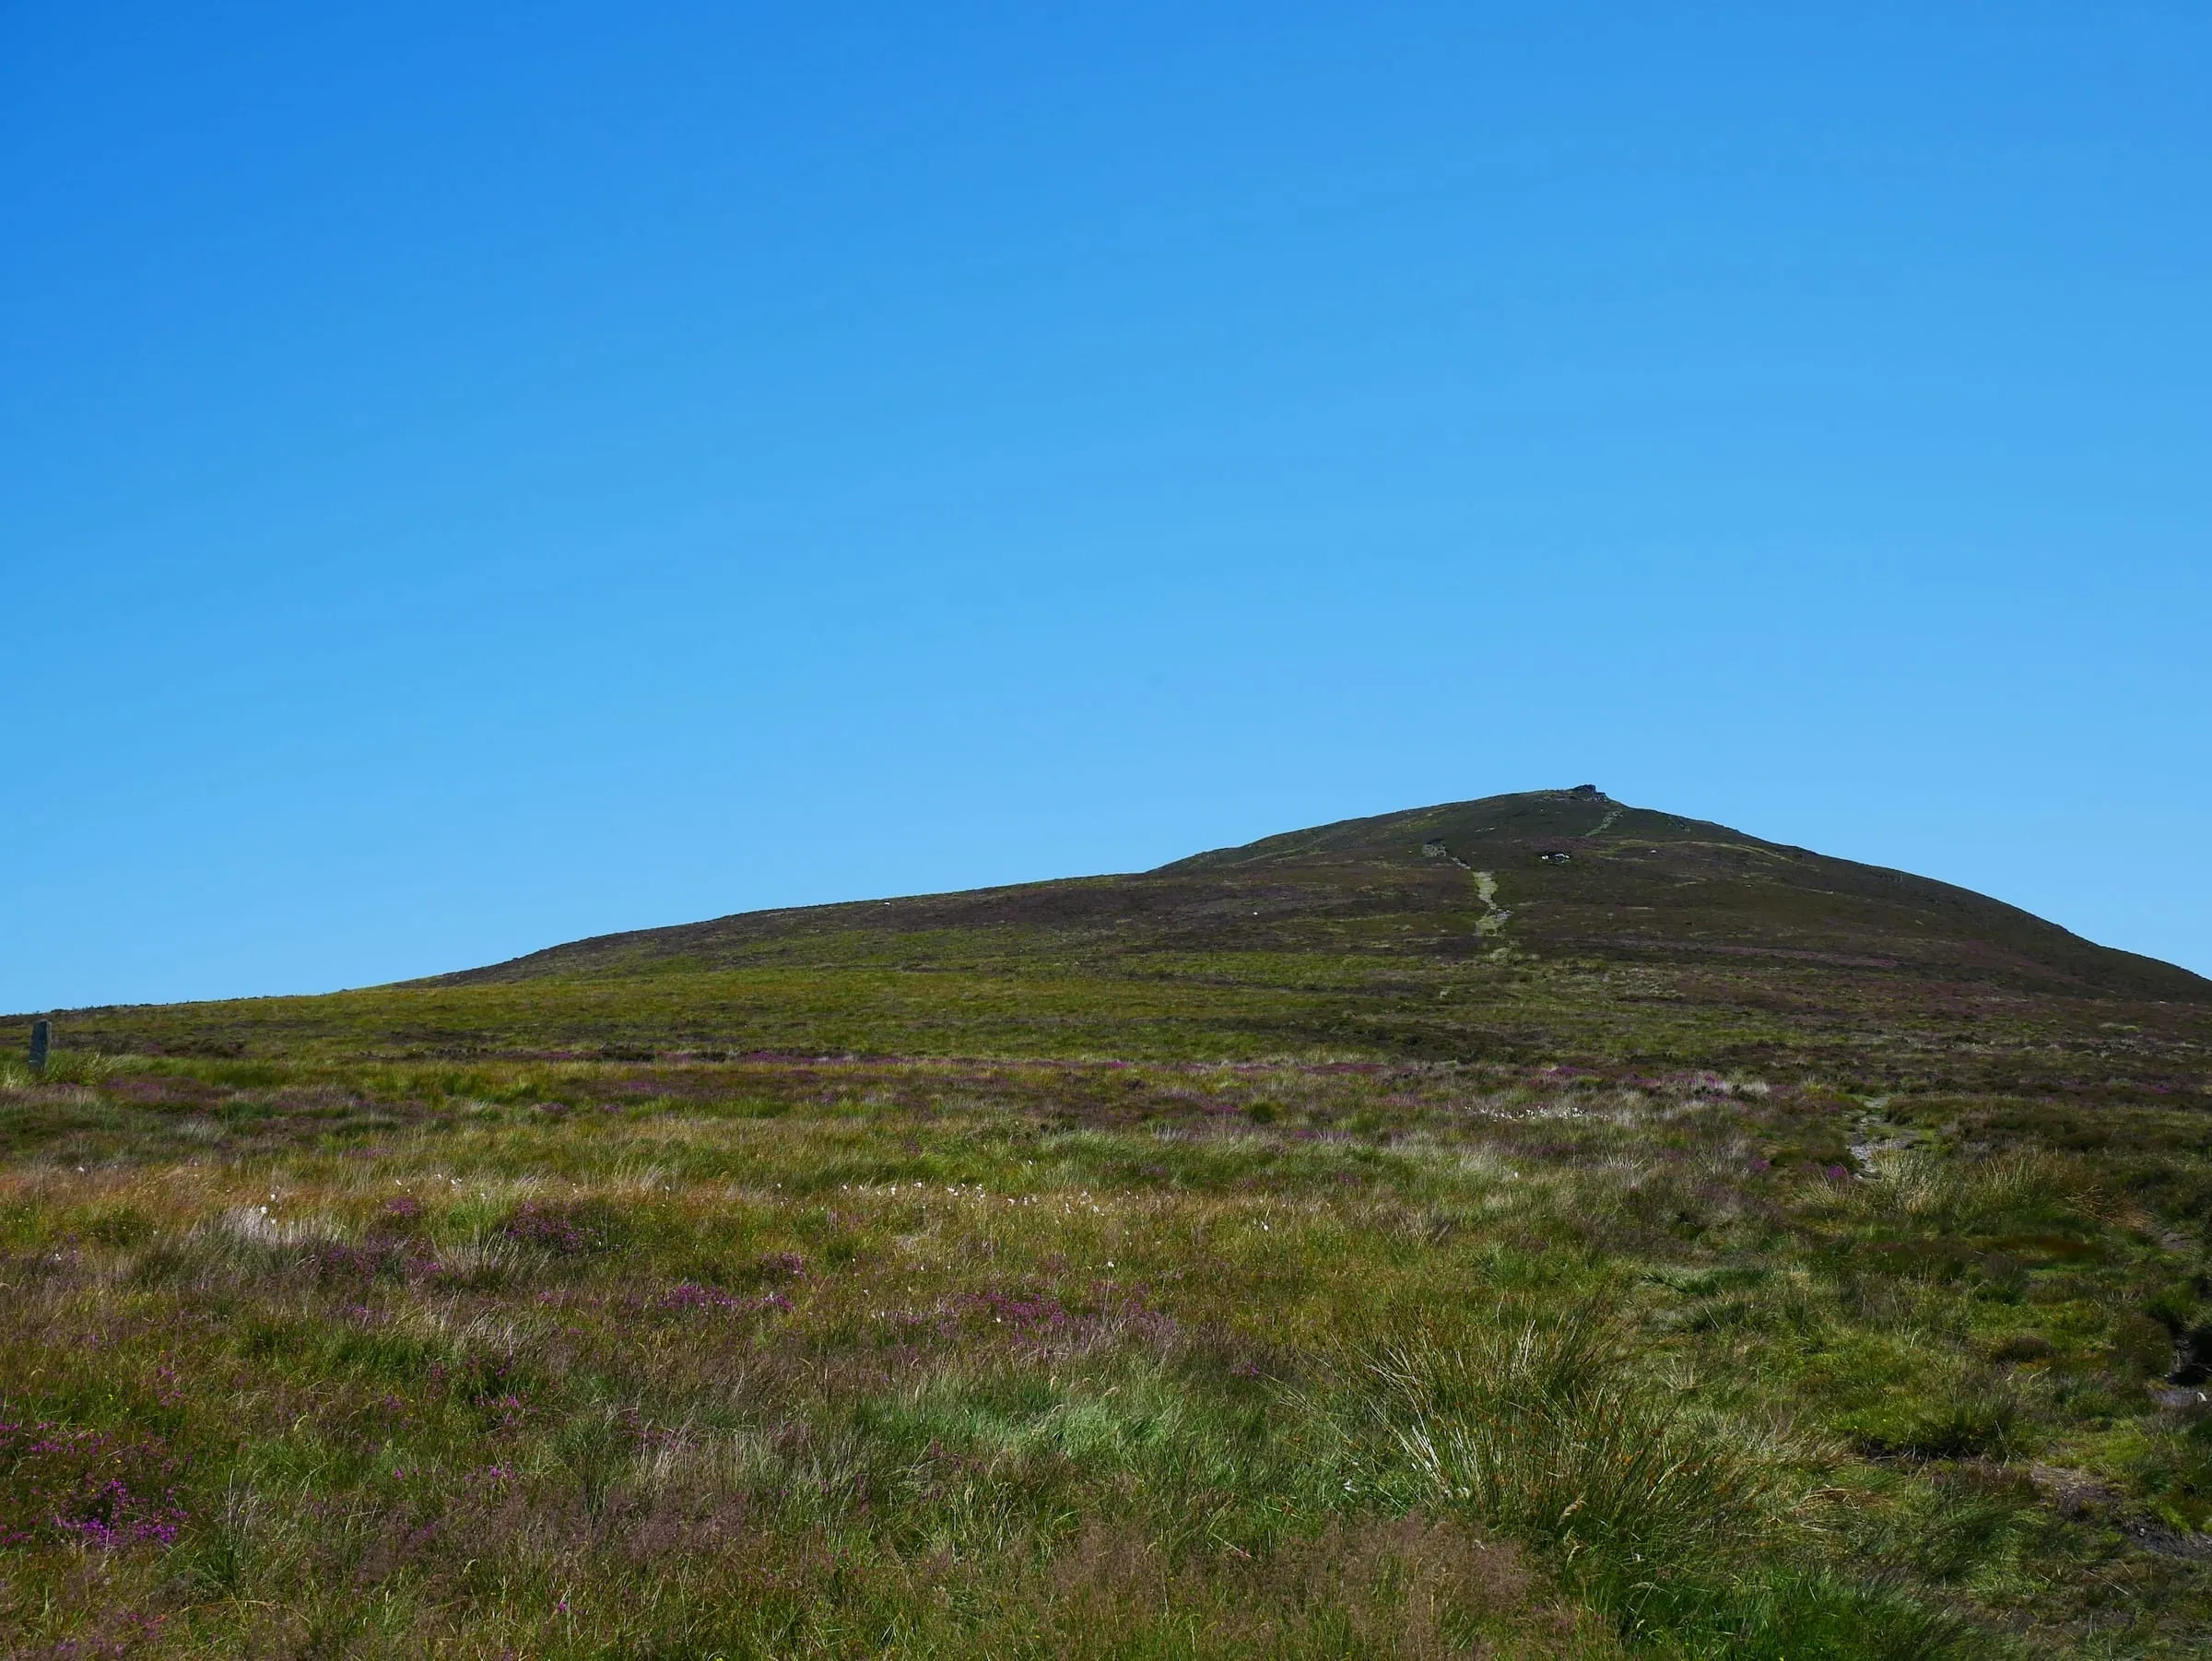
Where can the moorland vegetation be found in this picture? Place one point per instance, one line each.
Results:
(1528, 1227)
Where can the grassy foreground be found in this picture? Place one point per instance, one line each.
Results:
(680, 1358)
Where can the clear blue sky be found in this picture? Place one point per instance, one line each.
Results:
(475, 477)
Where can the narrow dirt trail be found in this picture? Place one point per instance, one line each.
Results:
(1486, 888)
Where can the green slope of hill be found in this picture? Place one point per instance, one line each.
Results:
(1524, 1228)
(1555, 873)
(1544, 925)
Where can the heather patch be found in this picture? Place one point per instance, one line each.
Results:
(61, 1484)
(574, 1229)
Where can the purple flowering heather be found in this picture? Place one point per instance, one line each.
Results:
(105, 1490)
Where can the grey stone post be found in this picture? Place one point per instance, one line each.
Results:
(42, 1034)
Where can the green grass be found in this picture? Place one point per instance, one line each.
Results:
(1730, 1252)
(577, 1359)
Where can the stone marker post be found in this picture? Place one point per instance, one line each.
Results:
(42, 1034)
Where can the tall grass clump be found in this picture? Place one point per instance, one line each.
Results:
(1543, 1430)
(2021, 1190)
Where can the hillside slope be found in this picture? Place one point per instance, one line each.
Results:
(1554, 872)
(1548, 926)
(1534, 1228)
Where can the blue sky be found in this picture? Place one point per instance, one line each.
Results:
(472, 477)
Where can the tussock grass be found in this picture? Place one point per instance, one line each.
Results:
(866, 1359)
(1540, 1430)
(1685, 1538)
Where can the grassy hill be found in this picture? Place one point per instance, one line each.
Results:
(1525, 1227)
(1548, 926)
(1565, 874)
